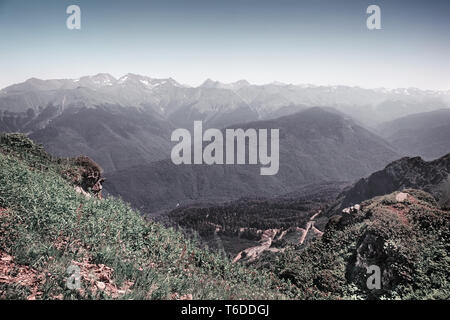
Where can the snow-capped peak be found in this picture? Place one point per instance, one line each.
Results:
(98, 80)
(278, 83)
(209, 83)
(145, 81)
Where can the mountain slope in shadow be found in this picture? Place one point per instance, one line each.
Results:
(404, 173)
(316, 145)
(114, 136)
(424, 134)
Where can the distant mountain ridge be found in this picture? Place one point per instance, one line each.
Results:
(316, 145)
(126, 122)
(214, 99)
(425, 134)
(114, 136)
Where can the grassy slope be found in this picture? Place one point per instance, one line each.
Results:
(46, 226)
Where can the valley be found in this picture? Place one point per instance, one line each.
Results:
(359, 172)
(292, 247)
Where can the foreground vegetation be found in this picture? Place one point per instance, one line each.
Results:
(406, 234)
(46, 227)
(51, 236)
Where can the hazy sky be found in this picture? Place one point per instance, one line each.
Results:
(293, 41)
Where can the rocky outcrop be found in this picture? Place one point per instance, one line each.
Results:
(91, 179)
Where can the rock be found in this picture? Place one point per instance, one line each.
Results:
(101, 285)
(401, 197)
(80, 190)
(91, 174)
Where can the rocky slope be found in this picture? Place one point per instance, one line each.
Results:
(407, 172)
(405, 235)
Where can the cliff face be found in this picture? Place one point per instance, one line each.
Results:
(407, 172)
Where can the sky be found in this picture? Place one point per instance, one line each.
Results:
(293, 41)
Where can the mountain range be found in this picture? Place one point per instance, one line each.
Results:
(125, 123)
(213, 100)
(343, 181)
(316, 145)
